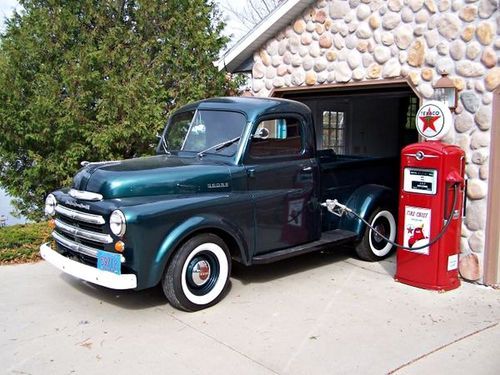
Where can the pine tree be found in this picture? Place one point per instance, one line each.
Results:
(96, 80)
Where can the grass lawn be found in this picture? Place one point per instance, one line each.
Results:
(21, 243)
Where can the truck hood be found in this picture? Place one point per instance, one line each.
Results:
(156, 175)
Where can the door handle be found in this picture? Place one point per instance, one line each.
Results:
(251, 172)
(307, 169)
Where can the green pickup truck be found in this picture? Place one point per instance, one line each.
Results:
(233, 179)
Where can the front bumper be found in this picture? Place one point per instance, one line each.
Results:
(87, 273)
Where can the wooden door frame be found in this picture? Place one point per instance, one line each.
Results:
(492, 243)
(381, 83)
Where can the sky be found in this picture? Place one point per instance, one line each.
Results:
(6, 8)
(232, 29)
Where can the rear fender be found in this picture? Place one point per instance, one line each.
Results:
(364, 200)
(188, 228)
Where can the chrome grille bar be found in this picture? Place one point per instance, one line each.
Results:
(78, 247)
(75, 246)
(82, 216)
(82, 233)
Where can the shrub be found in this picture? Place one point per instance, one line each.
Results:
(21, 243)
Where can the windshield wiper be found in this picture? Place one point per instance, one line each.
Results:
(219, 146)
(164, 144)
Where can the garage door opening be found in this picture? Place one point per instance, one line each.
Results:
(364, 121)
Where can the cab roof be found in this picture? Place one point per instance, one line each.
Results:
(252, 107)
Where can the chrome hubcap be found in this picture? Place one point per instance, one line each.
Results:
(380, 229)
(200, 273)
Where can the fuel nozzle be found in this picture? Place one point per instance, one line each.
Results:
(336, 208)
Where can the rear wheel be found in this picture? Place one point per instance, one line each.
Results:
(372, 246)
(198, 274)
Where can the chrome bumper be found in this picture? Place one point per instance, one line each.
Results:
(87, 273)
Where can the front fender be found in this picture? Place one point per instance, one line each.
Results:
(157, 226)
(364, 200)
(196, 224)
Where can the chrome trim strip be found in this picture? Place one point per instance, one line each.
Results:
(73, 214)
(82, 233)
(424, 155)
(78, 247)
(85, 195)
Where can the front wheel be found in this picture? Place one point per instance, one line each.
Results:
(372, 246)
(198, 274)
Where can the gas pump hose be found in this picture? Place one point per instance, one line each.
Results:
(330, 205)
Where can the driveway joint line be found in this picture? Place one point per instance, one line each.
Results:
(224, 344)
(441, 348)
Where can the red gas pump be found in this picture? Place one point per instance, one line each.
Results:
(430, 213)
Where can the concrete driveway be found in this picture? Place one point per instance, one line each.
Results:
(325, 313)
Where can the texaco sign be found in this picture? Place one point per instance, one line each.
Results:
(433, 120)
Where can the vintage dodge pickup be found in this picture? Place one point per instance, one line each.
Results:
(233, 179)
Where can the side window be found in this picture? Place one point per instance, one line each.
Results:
(277, 137)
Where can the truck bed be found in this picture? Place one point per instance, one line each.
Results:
(342, 174)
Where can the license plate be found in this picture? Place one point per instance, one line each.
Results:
(109, 262)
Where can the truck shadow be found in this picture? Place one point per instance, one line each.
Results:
(303, 263)
(127, 299)
(306, 262)
(154, 297)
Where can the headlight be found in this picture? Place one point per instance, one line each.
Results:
(50, 205)
(117, 223)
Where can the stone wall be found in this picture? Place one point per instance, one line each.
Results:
(345, 41)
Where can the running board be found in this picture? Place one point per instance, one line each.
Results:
(333, 237)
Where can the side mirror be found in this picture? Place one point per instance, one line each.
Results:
(261, 133)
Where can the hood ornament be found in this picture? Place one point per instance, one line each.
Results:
(86, 162)
(85, 195)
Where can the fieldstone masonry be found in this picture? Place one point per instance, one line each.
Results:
(344, 41)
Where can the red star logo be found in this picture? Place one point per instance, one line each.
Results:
(410, 230)
(429, 122)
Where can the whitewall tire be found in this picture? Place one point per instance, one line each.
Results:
(372, 246)
(198, 274)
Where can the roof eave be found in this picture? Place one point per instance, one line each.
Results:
(266, 29)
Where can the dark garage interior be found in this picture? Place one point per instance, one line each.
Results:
(364, 121)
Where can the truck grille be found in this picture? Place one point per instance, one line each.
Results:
(80, 216)
(80, 234)
(83, 233)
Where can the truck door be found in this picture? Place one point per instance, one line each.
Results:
(283, 181)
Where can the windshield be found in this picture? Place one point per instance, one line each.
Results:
(202, 130)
